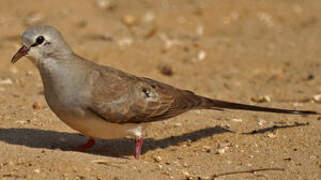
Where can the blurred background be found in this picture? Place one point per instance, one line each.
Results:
(253, 51)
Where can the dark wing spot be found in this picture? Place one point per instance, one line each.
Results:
(146, 92)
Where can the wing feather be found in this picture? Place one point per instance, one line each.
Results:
(123, 98)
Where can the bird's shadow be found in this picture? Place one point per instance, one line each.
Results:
(37, 138)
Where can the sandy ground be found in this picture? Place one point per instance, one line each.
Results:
(256, 52)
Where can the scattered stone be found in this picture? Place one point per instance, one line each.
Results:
(200, 30)
(261, 122)
(185, 173)
(203, 177)
(106, 4)
(103, 37)
(125, 42)
(36, 170)
(237, 120)
(266, 19)
(37, 105)
(169, 43)
(6, 82)
(201, 55)
(222, 150)
(232, 17)
(185, 164)
(148, 17)
(166, 69)
(271, 135)
(297, 104)
(261, 99)
(157, 158)
(206, 149)
(310, 77)
(317, 98)
(148, 31)
(82, 24)
(178, 124)
(23, 122)
(129, 20)
(287, 159)
(29, 73)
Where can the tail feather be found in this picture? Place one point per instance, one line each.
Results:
(208, 103)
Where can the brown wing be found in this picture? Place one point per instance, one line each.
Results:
(124, 98)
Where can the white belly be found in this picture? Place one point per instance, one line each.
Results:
(96, 127)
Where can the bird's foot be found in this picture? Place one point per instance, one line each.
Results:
(138, 147)
(90, 143)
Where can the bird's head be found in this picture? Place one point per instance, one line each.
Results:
(39, 42)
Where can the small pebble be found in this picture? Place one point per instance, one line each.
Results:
(310, 77)
(222, 150)
(177, 124)
(266, 19)
(261, 122)
(23, 122)
(29, 73)
(201, 55)
(237, 120)
(200, 30)
(185, 164)
(6, 82)
(185, 173)
(271, 135)
(157, 158)
(317, 98)
(169, 43)
(36, 170)
(298, 104)
(129, 20)
(166, 70)
(261, 99)
(37, 105)
(148, 17)
(206, 149)
(105, 4)
(124, 42)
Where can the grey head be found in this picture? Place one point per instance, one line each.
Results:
(40, 42)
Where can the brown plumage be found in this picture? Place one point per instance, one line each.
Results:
(103, 102)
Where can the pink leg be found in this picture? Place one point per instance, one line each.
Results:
(89, 144)
(138, 148)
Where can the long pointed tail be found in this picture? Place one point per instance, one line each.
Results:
(208, 103)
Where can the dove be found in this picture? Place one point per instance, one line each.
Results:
(104, 102)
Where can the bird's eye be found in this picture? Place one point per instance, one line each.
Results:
(40, 39)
